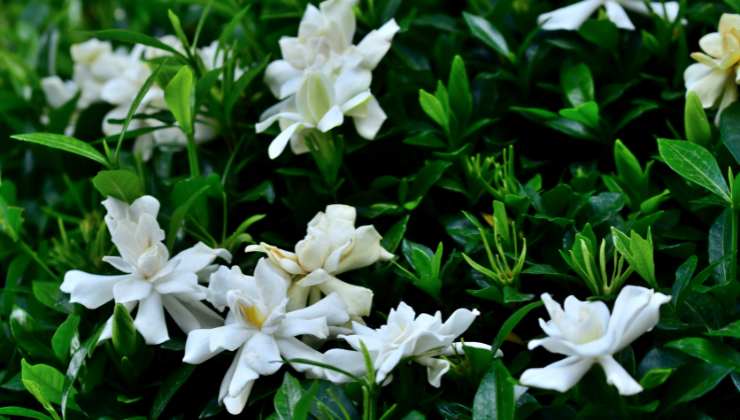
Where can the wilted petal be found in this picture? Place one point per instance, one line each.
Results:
(707, 82)
(90, 290)
(150, 320)
(559, 376)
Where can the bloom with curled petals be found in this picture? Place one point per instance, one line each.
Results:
(586, 333)
(152, 281)
(323, 77)
(332, 246)
(573, 16)
(715, 76)
(405, 336)
(260, 328)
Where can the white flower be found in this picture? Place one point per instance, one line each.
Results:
(587, 334)
(323, 77)
(260, 329)
(152, 280)
(57, 91)
(332, 246)
(573, 16)
(716, 75)
(406, 336)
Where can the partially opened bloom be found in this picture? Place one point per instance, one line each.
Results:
(260, 328)
(588, 335)
(573, 16)
(715, 76)
(323, 77)
(151, 282)
(423, 339)
(332, 246)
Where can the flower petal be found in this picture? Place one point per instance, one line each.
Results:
(90, 290)
(436, 368)
(617, 376)
(559, 376)
(618, 16)
(198, 257)
(197, 347)
(150, 320)
(636, 311)
(368, 118)
(131, 289)
(357, 300)
(376, 43)
(569, 17)
(190, 315)
(262, 354)
(347, 360)
(278, 144)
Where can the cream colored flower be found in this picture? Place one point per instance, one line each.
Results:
(716, 75)
(587, 334)
(573, 16)
(332, 246)
(323, 77)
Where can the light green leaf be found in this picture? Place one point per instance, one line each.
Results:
(577, 84)
(655, 377)
(461, 100)
(434, 109)
(120, 183)
(43, 382)
(124, 332)
(695, 164)
(65, 143)
(696, 125)
(179, 97)
(729, 330)
(65, 339)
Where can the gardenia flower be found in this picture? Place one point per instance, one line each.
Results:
(332, 246)
(406, 336)
(260, 328)
(587, 334)
(152, 281)
(573, 16)
(323, 77)
(716, 75)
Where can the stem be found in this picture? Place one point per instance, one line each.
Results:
(27, 249)
(192, 154)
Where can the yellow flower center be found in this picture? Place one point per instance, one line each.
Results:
(252, 315)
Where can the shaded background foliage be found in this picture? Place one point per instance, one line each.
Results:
(412, 182)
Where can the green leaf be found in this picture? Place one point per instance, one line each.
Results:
(434, 109)
(577, 84)
(461, 100)
(395, 234)
(43, 382)
(168, 389)
(720, 245)
(693, 381)
(629, 171)
(729, 330)
(696, 125)
(124, 332)
(586, 113)
(179, 98)
(729, 129)
(65, 143)
(681, 286)
(511, 323)
(11, 220)
(122, 184)
(695, 164)
(23, 412)
(655, 377)
(486, 32)
(709, 351)
(65, 339)
(288, 400)
(177, 27)
(494, 399)
(178, 217)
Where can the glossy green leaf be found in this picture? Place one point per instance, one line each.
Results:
(695, 164)
(729, 130)
(577, 84)
(434, 109)
(461, 99)
(64, 143)
(122, 184)
(488, 34)
(169, 388)
(65, 339)
(709, 351)
(494, 399)
(124, 332)
(508, 326)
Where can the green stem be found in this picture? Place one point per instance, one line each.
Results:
(192, 155)
(27, 249)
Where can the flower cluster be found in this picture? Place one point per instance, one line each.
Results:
(715, 76)
(573, 16)
(115, 77)
(323, 77)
